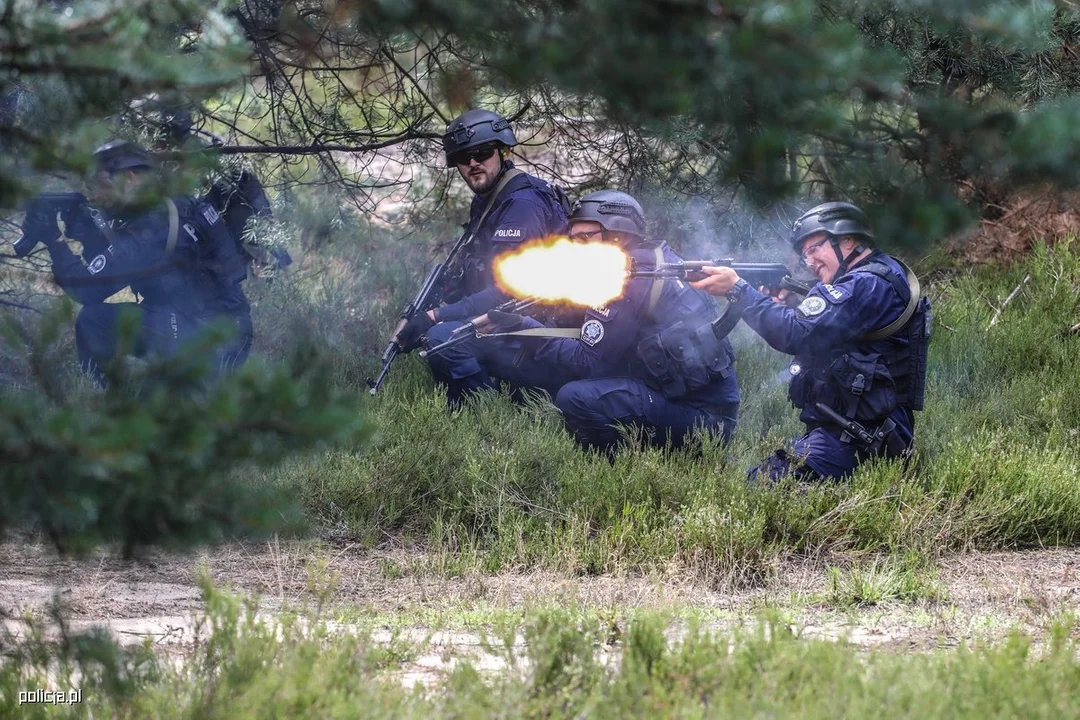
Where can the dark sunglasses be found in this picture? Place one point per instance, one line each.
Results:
(479, 154)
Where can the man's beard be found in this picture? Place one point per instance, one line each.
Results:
(487, 181)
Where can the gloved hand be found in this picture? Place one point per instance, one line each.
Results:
(503, 320)
(37, 228)
(409, 337)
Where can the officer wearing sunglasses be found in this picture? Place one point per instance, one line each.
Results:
(509, 207)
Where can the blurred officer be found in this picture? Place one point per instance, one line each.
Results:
(176, 257)
(860, 341)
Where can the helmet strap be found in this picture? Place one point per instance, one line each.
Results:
(502, 171)
(844, 261)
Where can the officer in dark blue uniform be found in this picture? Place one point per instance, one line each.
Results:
(510, 208)
(647, 359)
(177, 258)
(859, 339)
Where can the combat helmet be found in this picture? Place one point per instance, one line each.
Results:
(837, 219)
(616, 211)
(474, 128)
(117, 155)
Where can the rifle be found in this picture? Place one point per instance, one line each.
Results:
(426, 298)
(774, 276)
(462, 333)
(73, 207)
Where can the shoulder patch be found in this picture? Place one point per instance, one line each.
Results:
(812, 306)
(510, 233)
(604, 311)
(834, 294)
(592, 332)
(96, 265)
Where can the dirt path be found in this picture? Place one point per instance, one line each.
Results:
(983, 595)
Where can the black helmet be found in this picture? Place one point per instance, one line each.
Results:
(616, 212)
(121, 155)
(476, 127)
(835, 218)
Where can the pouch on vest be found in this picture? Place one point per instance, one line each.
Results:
(862, 386)
(681, 358)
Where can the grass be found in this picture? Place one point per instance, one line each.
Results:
(554, 662)
(497, 486)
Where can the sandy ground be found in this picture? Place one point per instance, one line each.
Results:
(984, 596)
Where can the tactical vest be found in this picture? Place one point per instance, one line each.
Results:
(677, 351)
(883, 371)
(203, 270)
(477, 272)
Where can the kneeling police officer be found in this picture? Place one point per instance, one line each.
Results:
(509, 208)
(647, 359)
(177, 258)
(860, 341)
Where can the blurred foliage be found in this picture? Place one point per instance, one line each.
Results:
(930, 114)
(157, 458)
(152, 460)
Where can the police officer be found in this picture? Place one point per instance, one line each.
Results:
(859, 339)
(177, 258)
(647, 359)
(509, 208)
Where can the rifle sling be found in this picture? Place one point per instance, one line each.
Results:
(657, 283)
(913, 302)
(499, 187)
(537, 332)
(174, 228)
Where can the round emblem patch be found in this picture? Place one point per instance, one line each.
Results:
(812, 306)
(592, 332)
(96, 265)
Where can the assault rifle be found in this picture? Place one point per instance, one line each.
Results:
(428, 297)
(774, 276)
(42, 210)
(462, 333)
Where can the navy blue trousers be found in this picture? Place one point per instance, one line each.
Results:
(162, 332)
(823, 456)
(593, 410)
(482, 363)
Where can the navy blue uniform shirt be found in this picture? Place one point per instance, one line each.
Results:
(200, 277)
(526, 209)
(824, 334)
